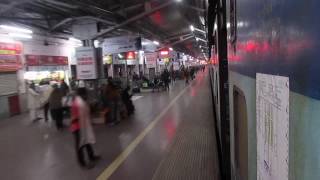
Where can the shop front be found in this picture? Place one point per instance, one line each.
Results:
(42, 68)
(10, 66)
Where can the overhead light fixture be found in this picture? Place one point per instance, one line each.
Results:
(200, 46)
(156, 42)
(16, 29)
(170, 49)
(192, 28)
(197, 39)
(164, 52)
(18, 35)
(120, 56)
(178, 0)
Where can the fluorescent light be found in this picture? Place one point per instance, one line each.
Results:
(6, 40)
(141, 52)
(170, 49)
(74, 39)
(120, 56)
(156, 42)
(17, 29)
(228, 25)
(191, 28)
(27, 36)
(144, 43)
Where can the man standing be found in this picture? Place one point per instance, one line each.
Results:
(55, 105)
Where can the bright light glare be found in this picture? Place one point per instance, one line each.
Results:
(27, 36)
(144, 43)
(191, 27)
(178, 0)
(74, 39)
(170, 49)
(197, 39)
(156, 42)
(16, 29)
(6, 40)
(120, 56)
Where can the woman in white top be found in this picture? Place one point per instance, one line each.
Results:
(33, 102)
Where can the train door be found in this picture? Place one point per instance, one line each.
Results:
(240, 135)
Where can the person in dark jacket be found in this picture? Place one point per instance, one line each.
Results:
(126, 99)
(55, 105)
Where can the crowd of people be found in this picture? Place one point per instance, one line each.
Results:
(114, 101)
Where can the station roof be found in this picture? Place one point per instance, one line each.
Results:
(167, 21)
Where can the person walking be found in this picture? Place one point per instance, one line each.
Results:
(55, 105)
(166, 78)
(187, 75)
(82, 130)
(33, 102)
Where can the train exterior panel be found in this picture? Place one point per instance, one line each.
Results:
(277, 37)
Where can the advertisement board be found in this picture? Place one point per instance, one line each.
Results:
(86, 63)
(151, 59)
(10, 56)
(121, 44)
(43, 60)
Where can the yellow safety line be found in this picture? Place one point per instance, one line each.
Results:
(124, 154)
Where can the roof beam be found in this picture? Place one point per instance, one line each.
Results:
(133, 19)
(63, 22)
(177, 42)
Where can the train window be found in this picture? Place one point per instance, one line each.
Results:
(240, 134)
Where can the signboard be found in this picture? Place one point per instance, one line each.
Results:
(272, 108)
(151, 59)
(43, 60)
(107, 59)
(10, 56)
(86, 63)
(121, 44)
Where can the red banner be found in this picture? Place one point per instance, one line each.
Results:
(10, 56)
(42, 60)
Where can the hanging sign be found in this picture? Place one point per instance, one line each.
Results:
(121, 44)
(86, 63)
(272, 110)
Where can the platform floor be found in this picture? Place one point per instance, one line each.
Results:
(171, 136)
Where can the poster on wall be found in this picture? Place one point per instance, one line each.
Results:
(86, 63)
(272, 111)
(10, 56)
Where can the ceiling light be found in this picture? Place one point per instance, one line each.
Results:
(178, 0)
(197, 39)
(170, 49)
(156, 42)
(191, 27)
(27, 36)
(16, 29)
(120, 56)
